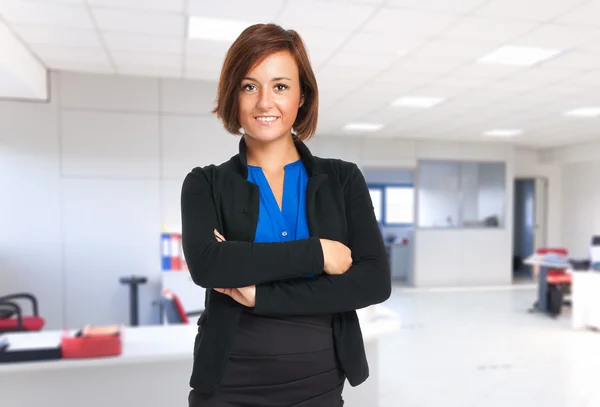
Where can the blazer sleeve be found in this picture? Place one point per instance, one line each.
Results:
(233, 264)
(367, 282)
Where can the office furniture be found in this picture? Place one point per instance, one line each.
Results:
(400, 255)
(152, 371)
(551, 275)
(172, 308)
(585, 298)
(12, 317)
(190, 295)
(133, 282)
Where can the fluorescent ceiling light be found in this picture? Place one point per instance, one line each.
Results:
(523, 56)
(503, 132)
(215, 29)
(363, 126)
(584, 112)
(418, 101)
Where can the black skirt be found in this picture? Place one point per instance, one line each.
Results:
(279, 362)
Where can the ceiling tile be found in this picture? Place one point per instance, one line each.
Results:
(205, 47)
(456, 6)
(453, 49)
(540, 74)
(70, 37)
(203, 63)
(335, 73)
(149, 70)
(203, 74)
(370, 42)
(536, 10)
(322, 39)
(488, 31)
(55, 14)
(414, 78)
(587, 14)
(142, 43)
(143, 23)
(318, 58)
(66, 54)
(153, 59)
(558, 36)
(256, 11)
(59, 1)
(174, 6)
(487, 71)
(423, 24)
(574, 61)
(376, 61)
(323, 14)
(462, 81)
(421, 65)
(79, 66)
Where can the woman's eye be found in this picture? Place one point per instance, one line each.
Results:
(248, 87)
(281, 87)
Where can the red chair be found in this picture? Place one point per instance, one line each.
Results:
(557, 286)
(556, 276)
(12, 318)
(173, 308)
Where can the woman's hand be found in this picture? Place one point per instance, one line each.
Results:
(337, 257)
(245, 295)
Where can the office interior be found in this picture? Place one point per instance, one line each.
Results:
(475, 124)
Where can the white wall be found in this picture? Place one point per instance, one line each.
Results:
(531, 164)
(579, 167)
(92, 176)
(459, 257)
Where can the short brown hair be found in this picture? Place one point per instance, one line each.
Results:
(253, 45)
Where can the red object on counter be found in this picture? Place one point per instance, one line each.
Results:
(92, 346)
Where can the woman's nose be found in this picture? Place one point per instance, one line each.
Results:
(265, 100)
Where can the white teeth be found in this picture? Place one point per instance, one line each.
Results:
(267, 119)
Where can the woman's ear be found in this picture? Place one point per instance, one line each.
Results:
(301, 101)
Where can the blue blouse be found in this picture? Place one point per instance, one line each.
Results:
(289, 223)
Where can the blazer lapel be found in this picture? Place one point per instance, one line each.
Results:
(314, 183)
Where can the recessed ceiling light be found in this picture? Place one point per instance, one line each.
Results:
(215, 29)
(503, 133)
(524, 56)
(584, 112)
(363, 126)
(418, 101)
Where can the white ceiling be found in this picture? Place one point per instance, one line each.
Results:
(366, 53)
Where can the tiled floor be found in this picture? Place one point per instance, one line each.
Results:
(481, 348)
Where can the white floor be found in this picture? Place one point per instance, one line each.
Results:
(482, 348)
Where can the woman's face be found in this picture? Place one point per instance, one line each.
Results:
(270, 97)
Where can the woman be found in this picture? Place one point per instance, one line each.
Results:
(286, 244)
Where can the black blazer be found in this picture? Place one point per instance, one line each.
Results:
(338, 207)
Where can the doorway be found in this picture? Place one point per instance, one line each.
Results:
(529, 231)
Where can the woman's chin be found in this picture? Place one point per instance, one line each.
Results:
(266, 135)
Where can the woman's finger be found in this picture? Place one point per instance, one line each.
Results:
(219, 236)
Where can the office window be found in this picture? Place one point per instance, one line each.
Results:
(394, 204)
(376, 197)
(399, 205)
(456, 194)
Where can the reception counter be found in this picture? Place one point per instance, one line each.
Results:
(152, 371)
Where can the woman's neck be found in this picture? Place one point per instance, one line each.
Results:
(273, 156)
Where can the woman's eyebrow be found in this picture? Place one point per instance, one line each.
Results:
(279, 78)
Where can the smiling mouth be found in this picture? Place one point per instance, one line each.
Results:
(267, 120)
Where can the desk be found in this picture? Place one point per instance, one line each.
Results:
(153, 371)
(585, 298)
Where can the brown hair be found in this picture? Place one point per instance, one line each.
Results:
(253, 45)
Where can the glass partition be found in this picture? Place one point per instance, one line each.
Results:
(461, 194)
